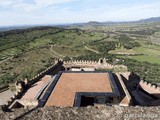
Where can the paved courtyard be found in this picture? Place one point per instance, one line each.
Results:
(69, 83)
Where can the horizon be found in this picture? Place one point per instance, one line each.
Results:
(59, 12)
(61, 24)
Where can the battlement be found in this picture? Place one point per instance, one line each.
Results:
(53, 68)
(150, 85)
(100, 64)
(150, 88)
(80, 62)
(87, 63)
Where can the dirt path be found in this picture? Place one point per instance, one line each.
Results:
(55, 53)
(90, 49)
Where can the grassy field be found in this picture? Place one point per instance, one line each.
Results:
(150, 59)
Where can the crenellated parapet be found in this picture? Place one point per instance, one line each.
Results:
(101, 64)
(51, 68)
(20, 87)
(17, 94)
(80, 62)
(150, 85)
(150, 88)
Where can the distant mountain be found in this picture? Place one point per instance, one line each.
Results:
(153, 19)
(100, 23)
(95, 23)
(7, 28)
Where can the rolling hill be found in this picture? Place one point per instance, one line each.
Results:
(26, 52)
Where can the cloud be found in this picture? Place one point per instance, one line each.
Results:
(8, 3)
(72, 11)
(44, 3)
(119, 13)
(29, 6)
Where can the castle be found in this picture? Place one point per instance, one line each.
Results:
(78, 83)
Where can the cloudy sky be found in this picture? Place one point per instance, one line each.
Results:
(24, 12)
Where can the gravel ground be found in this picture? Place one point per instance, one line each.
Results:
(84, 113)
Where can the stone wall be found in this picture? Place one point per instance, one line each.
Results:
(21, 86)
(131, 80)
(127, 100)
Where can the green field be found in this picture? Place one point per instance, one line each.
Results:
(122, 51)
(143, 58)
(148, 53)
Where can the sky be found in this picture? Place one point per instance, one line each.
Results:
(31, 12)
